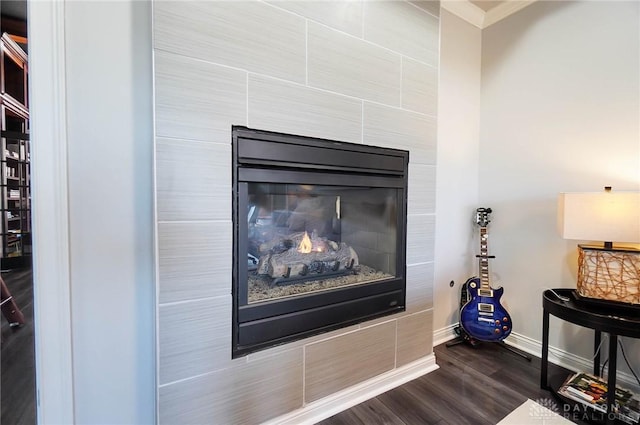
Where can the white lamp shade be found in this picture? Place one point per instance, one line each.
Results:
(600, 216)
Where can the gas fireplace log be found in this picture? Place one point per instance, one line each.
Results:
(293, 264)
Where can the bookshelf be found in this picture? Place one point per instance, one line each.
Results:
(15, 158)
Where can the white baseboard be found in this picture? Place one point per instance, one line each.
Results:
(321, 409)
(445, 334)
(556, 355)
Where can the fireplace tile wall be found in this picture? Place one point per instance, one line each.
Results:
(251, 394)
(280, 106)
(363, 72)
(412, 337)
(203, 90)
(244, 35)
(366, 353)
(352, 66)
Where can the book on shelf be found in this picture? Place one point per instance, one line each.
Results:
(592, 391)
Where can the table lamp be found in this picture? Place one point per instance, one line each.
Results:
(606, 274)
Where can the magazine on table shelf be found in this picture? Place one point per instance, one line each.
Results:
(630, 413)
(591, 391)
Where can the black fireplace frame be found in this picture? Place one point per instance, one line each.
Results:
(265, 156)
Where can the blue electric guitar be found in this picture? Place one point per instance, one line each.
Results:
(483, 317)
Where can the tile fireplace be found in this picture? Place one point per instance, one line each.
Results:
(319, 236)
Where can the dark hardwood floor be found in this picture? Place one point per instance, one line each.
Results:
(17, 372)
(474, 385)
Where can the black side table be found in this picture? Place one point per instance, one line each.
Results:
(597, 318)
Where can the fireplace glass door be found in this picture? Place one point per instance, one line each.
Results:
(304, 238)
(319, 236)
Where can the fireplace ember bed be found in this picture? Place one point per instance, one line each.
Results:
(319, 236)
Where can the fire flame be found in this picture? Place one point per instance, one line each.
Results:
(305, 244)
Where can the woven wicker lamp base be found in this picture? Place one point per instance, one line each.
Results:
(609, 274)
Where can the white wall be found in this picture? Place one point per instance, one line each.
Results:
(457, 178)
(109, 99)
(560, 112)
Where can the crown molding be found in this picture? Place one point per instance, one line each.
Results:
(475, 16)
(503, 10)
(465, 10)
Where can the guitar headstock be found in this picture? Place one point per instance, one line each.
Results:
(482, 216)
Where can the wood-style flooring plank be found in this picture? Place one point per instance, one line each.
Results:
(17, 356)
(369, 412)
(410, 407)
(474, 385)
(465, 396)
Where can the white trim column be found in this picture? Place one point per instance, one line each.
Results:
(50, 213)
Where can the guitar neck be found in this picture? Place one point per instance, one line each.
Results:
(484, 259)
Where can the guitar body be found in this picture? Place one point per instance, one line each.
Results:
(483, 317)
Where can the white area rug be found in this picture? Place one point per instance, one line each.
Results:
(532, 413)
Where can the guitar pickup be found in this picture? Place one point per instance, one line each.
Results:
(487, 308)
(485, 292)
